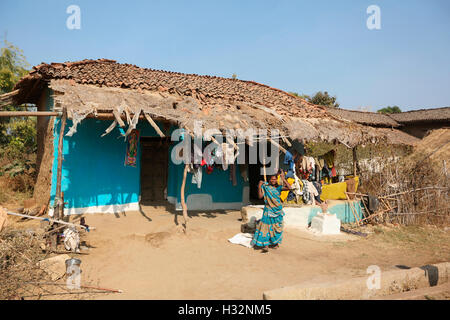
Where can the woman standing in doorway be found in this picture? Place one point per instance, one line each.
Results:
(269, 231)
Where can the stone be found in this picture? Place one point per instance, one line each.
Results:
(55, 266)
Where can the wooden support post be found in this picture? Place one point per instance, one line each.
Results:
(59, 206)
(355, 161)
(154, 125)
(183, 203)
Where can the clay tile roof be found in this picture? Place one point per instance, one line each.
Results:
(423, 115)
(83, 87)
(365, 118)
(104, 72)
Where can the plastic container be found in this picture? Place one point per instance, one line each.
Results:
(73, 262)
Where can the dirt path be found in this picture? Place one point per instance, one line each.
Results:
(151, 260)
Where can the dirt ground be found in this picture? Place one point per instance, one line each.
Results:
(145, 255)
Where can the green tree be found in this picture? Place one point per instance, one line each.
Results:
(303, 96)
(389, 109)
(324, 99)
(13, 66)
(17, 135)
(320, 98)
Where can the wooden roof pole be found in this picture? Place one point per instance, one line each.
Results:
(118, 118)
(277, 145)
(58, 205)
(28, 113)
(154, 125)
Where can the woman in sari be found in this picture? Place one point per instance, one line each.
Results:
(269, 231)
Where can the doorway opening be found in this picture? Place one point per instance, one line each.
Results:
(154, 169)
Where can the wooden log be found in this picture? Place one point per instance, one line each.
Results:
(128, 116)
(8, 95)
(110, 128)
(51, 220)
(118, 118)
(183, 203)
(286, 141)
(28, 113)
(154, 125)
(59, 208)
(276, 145)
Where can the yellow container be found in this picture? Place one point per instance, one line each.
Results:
(336, 191)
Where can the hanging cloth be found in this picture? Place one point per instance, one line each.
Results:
(132, 148)
(197, 176)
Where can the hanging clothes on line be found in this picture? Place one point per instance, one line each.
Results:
(289, 160)
(197, 174)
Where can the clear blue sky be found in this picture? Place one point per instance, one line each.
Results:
(302, 46)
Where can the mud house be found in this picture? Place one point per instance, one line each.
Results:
(109, 106)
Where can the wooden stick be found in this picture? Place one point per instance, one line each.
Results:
(103, 289)
(365, 207)
(154, 125)
(352, 209)
(414, 190)
(118, 118)
(183, 203)
(8, 95)
(289, 144)
(59, 208)
(375, 215)
(28, 113)
(81, 286)
(51, 220)
(276, 145)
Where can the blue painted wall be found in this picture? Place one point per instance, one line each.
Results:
(93, 172)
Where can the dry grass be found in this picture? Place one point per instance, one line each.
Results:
(20, 276)
(19, 254)
(414, 236)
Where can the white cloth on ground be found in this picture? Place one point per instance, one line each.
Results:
(244, 239)
(71, 239)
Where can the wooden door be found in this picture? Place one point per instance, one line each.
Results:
(154, 168)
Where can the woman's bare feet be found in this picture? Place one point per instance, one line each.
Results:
(265, 249)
